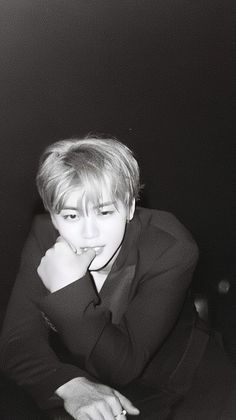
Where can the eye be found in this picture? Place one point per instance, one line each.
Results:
(105, 212)
(70, 217)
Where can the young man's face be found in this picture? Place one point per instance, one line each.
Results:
(100, 227)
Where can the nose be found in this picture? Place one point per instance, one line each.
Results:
(90, 228)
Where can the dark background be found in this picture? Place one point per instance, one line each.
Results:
(157, 74)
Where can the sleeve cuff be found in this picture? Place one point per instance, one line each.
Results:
(44, 393)
(70, 301)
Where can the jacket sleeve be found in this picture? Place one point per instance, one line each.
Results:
(117, 354)
(25, 353)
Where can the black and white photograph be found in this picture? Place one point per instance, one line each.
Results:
(118, 210)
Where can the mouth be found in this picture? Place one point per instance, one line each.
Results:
(98, 249)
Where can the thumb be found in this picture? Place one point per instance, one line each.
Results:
(127, 404)
(87, 256)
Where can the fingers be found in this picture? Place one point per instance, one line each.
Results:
(85, 416)
(69, 245)
(61, 240)
(82, 417)
(106, 409)
(100, 411)
(87, 256)
(114, 405)
(121, 416)
(127, 404)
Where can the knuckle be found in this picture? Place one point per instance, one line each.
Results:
(60, 246)
(86, 410)
(40, 266)
(111, 399)
(102, 402)
(80, 414)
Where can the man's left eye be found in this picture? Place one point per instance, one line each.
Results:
(106, 212)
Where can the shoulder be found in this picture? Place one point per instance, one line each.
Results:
(162, 233)
(163, 220)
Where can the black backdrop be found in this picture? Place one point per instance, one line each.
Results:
(157, 74)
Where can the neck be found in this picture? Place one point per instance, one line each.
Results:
(99, 279)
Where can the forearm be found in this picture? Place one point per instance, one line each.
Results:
(26, 355)
(38, 371)
(118, 353)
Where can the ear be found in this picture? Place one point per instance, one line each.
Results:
(131, 211)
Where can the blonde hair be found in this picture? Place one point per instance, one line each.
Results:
(89, 163)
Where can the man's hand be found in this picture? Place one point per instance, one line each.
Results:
(60, 266)
(85, 400)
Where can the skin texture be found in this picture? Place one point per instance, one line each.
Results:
(90, 238)
(91, 226)
(87, 401)
(61, 266)
(85, 240)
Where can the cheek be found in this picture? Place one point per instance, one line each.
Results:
(116, 232)
(66, 231)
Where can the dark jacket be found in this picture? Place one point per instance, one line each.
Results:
(136, 328)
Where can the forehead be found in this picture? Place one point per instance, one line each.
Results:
(79, 199)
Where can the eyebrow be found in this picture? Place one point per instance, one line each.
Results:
(105, 204)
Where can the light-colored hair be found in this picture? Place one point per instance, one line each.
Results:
(89, 163)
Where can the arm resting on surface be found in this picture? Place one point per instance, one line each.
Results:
(117, 354)
(25, 352)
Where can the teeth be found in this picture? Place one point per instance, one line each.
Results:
(96, 248)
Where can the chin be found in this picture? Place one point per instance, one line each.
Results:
(98, 265)
(95, 266)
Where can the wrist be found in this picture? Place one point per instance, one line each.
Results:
(54, 287)
(69, 387)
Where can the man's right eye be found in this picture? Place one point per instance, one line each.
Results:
(70, 216)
